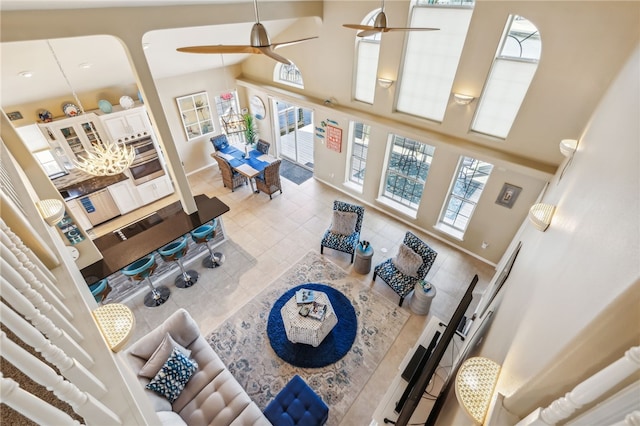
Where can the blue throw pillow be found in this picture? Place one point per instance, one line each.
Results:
(173, 376)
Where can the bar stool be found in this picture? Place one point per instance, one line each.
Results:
(175, 252)
(205, 234)
(98, 289)
(141, 270)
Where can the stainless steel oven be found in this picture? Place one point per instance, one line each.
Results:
(146, 164)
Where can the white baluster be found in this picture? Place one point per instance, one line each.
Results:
(68, 367)
(31, 406)
(12, 276)
(82, 403)
(31, 279)
(58, 336)
(587, 391)
(29, 259)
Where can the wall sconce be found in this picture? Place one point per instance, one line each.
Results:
(52, 211)
(385, 83)
(475, 383)
(568, 147)
(540, 215)
(115, 322)
(463, 99)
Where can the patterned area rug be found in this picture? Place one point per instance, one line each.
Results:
(243, 345)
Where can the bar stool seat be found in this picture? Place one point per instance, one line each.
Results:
(175, 252)
(141, 270)
(204, 234)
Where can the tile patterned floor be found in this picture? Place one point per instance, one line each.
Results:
(266, 237)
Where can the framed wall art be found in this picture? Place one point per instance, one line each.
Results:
(195, 114)
(508, 195)
(334, 138)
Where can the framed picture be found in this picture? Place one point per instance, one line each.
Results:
(15, 115)
(334, 138)
(508, 195)
(195, 114)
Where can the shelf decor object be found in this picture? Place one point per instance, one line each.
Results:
(475, 383)
(115, 322)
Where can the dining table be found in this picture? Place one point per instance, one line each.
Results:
(249, 164)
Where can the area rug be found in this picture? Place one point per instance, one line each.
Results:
(242, 342)
(333, 347)
(293, 172)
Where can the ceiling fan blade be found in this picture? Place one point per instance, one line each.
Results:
(371, 32)
(218, 49)
(287, 43)
(273, 55)
(358, 27)
(410, 29)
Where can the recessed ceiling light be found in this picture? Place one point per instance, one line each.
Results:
(26, 74)
(85, 65)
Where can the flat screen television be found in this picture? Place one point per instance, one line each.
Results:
(420, 383)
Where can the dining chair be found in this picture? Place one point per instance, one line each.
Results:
(230, 178)
(269, 180)
(263, 146)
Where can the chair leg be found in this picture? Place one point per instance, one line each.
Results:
(352, 254)
(401, 300)
(321, 249)
(375, 274)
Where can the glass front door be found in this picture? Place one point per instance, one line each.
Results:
(294, 126)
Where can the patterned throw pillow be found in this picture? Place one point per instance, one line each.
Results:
(344, 223)
(173, 376)
(407, 261)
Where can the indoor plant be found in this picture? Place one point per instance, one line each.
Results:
(250, 130)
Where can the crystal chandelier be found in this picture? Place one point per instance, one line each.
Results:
(107, 158)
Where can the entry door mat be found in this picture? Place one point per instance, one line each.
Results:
(293, 172)
(243, 345)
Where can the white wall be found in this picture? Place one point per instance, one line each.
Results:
(570, 274)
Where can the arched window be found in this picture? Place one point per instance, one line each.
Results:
(431, 57)
(288, 74)
(366, 66)
(513, 69)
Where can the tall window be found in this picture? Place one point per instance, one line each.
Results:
(431, 58)
(366, 67)
(511, 74)
(359, 149)
(288, 74)
(407, 169)
(471, 177)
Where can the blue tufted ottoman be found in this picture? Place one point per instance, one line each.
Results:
(297, 404)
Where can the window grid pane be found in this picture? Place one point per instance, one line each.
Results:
(359, 149)
(290, 74)
(431, 60)
(407, 171)
(471, 178)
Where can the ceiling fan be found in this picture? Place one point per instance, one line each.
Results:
(380, 26)
(260, 43)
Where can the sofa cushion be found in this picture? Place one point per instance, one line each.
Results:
(169, 418)
(407, 261)
(173, 376)
(344, 223)
(182, 328)
(160, 356)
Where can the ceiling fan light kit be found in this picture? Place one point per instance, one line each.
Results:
(259, 39)
(380, 26)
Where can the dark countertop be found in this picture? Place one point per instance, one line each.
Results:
(79, 185)
(175, 222)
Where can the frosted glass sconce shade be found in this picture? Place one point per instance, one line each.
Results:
(462, 99)
(52, 211)
(475, 383)
(385, 83)
(568, 146)
(540, 215)
(116, 322)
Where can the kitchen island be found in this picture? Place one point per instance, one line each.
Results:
(171, 222)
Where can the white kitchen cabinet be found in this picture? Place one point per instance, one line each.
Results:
(78, 213)
(126, 125)
(125, 196)
(76, 135)
(155, 189)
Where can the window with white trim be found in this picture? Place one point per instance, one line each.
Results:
(511, 74)
(408, 165)
(359, 148)
(431, 58)
(288, 74)
(466, 189)
(366, 66)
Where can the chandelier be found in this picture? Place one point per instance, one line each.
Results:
(107, 158)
